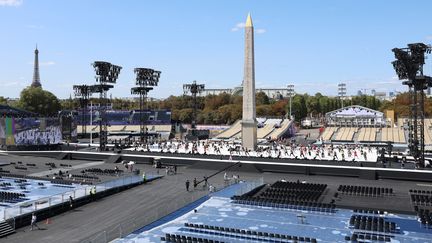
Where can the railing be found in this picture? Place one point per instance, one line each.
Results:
(82, 191)
(134, 223)
(128, 226)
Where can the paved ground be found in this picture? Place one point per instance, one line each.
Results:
(121, 213)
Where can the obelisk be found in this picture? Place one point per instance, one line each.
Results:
(249, 124)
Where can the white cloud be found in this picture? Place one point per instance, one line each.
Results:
(49, 63)
(238, 27)
(33, 26)
(260, 31)
(429, 37)
(14, 3)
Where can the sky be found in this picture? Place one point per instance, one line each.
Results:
(312, 44)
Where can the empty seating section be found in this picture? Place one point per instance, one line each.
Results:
(278, 132)
(233, 130)
(366, 134)
(233, 233)
(263, 132)
(365, 190)
(372, 223)
(340, 133)
(292, 195)
(361, 134)
(350, 134)
(421, 197)
(11, 197)
(428, 131)
(393, 134)
(346, 133)
(328, 133)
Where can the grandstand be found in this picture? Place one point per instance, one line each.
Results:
(328, 133)
(360, 124)
(367, 134)
(392, 134)
(230, 132)
(273, 128)
(283, 129)
(345, 133)
(269, 126)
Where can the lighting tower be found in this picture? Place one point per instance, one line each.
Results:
(106, 76)
(342, 92)
(193, 89)
(409, 67)
(146, 79)
(291, 93)
(83, 93)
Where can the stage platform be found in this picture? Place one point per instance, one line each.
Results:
(366, 170)
(220, 211)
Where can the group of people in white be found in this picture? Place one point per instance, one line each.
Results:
(51, 135)
(274, 150)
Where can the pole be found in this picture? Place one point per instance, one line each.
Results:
(290, 111)
(91, 122)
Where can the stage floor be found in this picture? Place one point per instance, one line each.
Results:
(41, 194)
(325, 227)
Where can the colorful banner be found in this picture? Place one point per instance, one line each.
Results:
(10, 130)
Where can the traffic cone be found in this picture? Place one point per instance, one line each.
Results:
(48, 221)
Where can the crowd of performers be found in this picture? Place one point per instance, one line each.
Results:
(273, 150)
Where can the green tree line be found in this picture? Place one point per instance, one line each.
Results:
(219, 109)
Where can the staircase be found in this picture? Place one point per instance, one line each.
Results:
(5, 229)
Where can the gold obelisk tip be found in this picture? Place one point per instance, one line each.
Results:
(249, 21)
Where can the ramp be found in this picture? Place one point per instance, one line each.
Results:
(114, 159)
(63, 156)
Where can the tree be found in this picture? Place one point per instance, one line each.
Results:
(3, 100)
(37, 100)
(262, 99)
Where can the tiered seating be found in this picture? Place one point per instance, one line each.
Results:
(233, 130)
(393, 134)
(367, 134)
(365, 191)
(362, 134)
(11, 197)
(292, 195)
(385, 134)
(160, 128)
(245, 234)
(372, 223)
(293, 191)
(328, 133)
(428, 131)
(421, 197)
(281, 130)
(341, 133)
(265, 131)
(348, 136)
